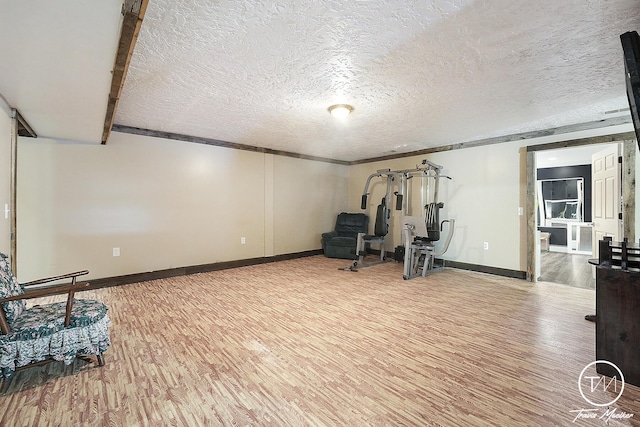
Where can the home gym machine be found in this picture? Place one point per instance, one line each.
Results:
(381, 225)
(420, 233)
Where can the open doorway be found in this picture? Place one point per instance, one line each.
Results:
(564, 215)
(565, 260)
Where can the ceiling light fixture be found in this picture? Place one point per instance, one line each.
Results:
(340, 111)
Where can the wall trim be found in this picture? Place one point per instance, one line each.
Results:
(613, 121)
(128, 279)
(193, 269)
(219, 143)
(604, 139)
(505, 272)
(514, 274)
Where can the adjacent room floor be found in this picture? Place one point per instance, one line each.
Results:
(301, 342)
(567, 269)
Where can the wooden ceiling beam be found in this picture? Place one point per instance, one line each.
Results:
(24, 129)
(133, 11)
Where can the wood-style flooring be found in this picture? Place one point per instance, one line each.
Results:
(567, 269)
(302, 343)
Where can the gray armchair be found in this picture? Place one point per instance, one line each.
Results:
(341, 242)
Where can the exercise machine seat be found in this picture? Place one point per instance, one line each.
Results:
(341, 242)
(381, 227)
(433, 223)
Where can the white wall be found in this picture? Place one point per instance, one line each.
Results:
(307, 198)
(483, 197)
(165, 204)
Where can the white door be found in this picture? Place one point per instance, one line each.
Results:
(606, 188)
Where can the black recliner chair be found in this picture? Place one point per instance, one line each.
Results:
(341, 243)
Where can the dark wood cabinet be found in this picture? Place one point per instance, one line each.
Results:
(618, 309)
(618, 322)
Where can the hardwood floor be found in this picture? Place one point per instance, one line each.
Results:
(568, 269)
(301, 342)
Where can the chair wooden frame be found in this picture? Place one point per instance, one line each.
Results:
(69, 289)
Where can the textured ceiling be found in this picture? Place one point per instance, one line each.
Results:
(418, 74)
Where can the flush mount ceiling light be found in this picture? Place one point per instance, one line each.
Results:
(340, 111)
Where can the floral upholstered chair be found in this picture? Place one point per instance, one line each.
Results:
(49, 332)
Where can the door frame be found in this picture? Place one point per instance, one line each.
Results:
(628, 140)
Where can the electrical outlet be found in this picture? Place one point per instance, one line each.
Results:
(116, 251)
(520, 210)
(486, 246)
(243, 240)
